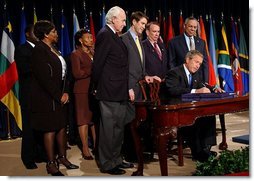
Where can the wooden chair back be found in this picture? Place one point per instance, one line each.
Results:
(152, 89)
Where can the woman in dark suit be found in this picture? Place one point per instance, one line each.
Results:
(81, 61)
(49, 96)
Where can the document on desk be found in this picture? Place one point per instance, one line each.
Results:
(206, 96)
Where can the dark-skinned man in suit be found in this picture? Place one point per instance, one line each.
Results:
(181, 44)
(32, 146)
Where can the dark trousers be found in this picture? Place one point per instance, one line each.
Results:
(201, 135)
(32, 148)
(111, 133)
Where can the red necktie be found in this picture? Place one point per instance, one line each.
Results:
(156, 48)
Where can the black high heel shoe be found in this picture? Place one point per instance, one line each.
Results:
(53, 164)
(66, 163)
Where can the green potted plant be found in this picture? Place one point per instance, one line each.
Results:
(228, 163)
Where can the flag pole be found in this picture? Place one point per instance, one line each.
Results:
(8, 125)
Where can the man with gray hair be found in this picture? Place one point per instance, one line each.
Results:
(110, 80)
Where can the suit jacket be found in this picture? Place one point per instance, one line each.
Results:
(81, 65)
(177, 49)
(136, 66)
(47, 88)
(110, 67)
(22, 58)
(153, 65)
(177, 82)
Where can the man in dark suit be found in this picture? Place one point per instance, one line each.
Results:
(30, 149)
(180, 45)
(156, 62)
(185, 79)
(137, 72)
(110, 79)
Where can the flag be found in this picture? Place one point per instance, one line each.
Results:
(170, 28)
(86, 22)
(212, 51)
(211, 74)
(65, 47)
(35, 16)
(92, 26)
(103, 20)
(243, 59)
(51, 14)
(164, 23)
(128, 25)
(75, 27)
(235, 59)
(181, 23)
(9, 92)
(22, 35)
(224, 65)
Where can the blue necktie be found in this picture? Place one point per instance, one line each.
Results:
(190, 80)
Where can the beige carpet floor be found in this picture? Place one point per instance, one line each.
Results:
(11, 165)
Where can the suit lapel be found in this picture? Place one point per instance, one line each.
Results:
(197, 43)
(184, 76)
(133, 44)
(183, 44)
(117, 38)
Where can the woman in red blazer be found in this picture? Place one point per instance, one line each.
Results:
(81, 61)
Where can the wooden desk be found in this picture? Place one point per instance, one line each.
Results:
(167, 118)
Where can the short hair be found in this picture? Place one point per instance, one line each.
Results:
(43, 27)
(192, 53)
(113, 12)
(29, 28)
(152, 23)
(190, 18)
(79, 35)
(137, 15)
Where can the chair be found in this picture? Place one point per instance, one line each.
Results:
(154, 89)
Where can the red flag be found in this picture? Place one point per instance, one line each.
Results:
(235, 61)
(170, 28)
(181, 23)
(164, 29)
(92, 26)
(212, 77)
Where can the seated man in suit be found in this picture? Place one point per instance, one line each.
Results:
(185, 79)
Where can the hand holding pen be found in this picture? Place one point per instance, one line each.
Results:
(215, 88)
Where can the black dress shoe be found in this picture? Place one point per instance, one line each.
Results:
(213, 153)
(126, 165)
(31, 165)
(58, 173)
(115, 171)
(66, 163)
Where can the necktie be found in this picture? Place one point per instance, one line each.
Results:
(139, 48)
(190, 80)
(192, 44)
(156, 48)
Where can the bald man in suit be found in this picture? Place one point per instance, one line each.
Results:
(181, 44)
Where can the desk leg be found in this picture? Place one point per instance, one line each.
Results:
(223, 145)
(162, 137)
(138, 147)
